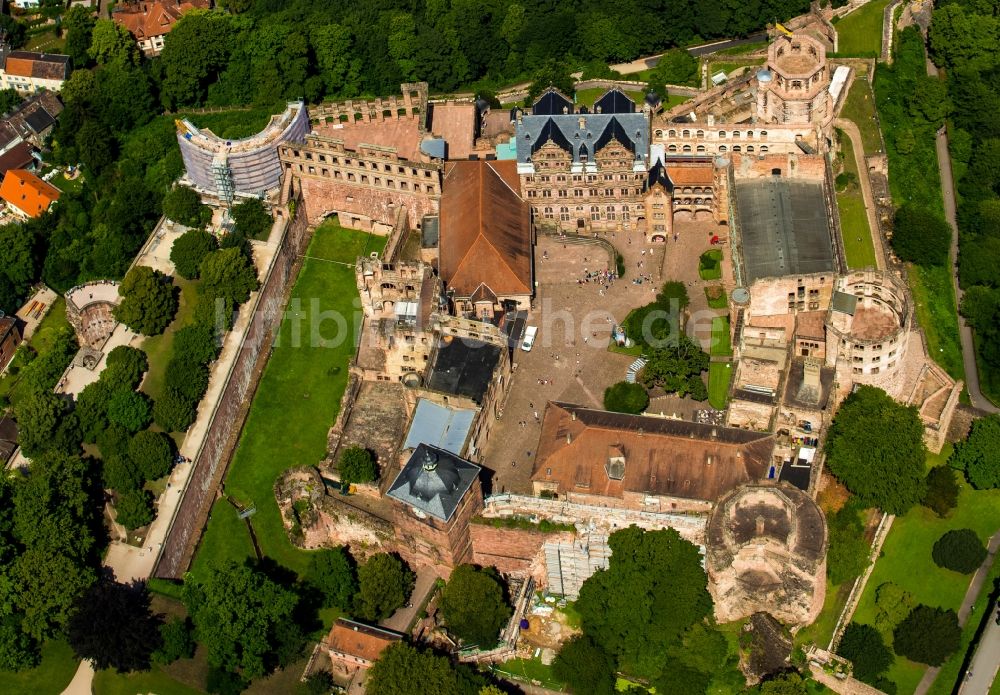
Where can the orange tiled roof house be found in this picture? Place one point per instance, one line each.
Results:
(150, 22)
(26, 194)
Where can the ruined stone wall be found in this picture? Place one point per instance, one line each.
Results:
(779, 296)
(796, 166)
(230, 411)
(513, 551)
(364, 206)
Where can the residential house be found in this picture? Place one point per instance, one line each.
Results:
(26, 194)
(150, 22)
(354, 646)
(29, 72)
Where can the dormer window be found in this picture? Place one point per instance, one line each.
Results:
(615, 466)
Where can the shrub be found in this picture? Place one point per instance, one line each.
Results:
(189, 250)
(928, 635)
(135, 509)
(357, 465)
(942, 490)
(959, 550)
(624, 397)
(152, 454)
(710, 265)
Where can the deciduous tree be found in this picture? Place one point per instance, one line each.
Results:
(384, 584)
(252, 218)
(356, 465)
(38, 415)
(189, 250)
(183, 205)
(942, 490)
(152, 454)
(130, 409)
(474, 607)
(405, 670)
(332, 572)
(229, 275)
(979, 455)
(149, 301)
(135, 509)
(920, 236)
(928, 635)
(585, 667)
(177, 641)
(863, 646)
(959, 550)
(624, 397)
(115, 627)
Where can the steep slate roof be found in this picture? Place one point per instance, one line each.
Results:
(463, 367)
(674, 458)
(27, 192)
(658, 175)
(359, 640)
(614, 101)
(552, 102)
(485, 229)
(434, 481)
(44, 66)
(630, 128)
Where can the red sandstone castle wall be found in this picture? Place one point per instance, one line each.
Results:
(323, 196)
(513, 551)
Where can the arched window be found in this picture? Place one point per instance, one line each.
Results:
(736, 148)
(671, 133)
(687, 148)
(700, 134)
(763, 148)
(736, 133)
(672, 148)
(763, 135)
(722, 148)
(700, 148)
(659, 133)
(686, 134)
(722, 133)
(750, 134)
(749, 148)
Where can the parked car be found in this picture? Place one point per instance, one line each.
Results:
(529, 338)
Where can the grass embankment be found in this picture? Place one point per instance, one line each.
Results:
(859, 107)
(906, 561)
(855, 230)
(50, 677)
(719, 374)
(235, 124)
(860, 32)
(295, 404)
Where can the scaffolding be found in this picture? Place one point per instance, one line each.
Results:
(222, 175)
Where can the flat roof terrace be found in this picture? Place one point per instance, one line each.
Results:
(784, 228)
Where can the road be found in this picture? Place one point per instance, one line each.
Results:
(640, 64)
(986, 660)
(401, 620)
(975, 587)
(976, 396)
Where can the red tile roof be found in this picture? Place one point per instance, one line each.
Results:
(145, 20)
(27, 192)
(359, 640)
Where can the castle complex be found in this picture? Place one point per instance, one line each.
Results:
(446, 306)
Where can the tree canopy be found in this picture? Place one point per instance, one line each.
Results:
(384, 584)
(847, 555)
(640, 607)
(920, 236)
(183, 205)
(252, 218)
(474, 606)
(357, 465)
(959, 550)
(676, 367)
(244, 619)
(333, 573)
(585, 667)
(928, 635)
(229, 275)
(883, 465)
(149, 301)
(405, 670)
(135, 508)
(942, 490)
(115, 627)
(189, 250)
(152, 453)
(863, 645)
(979, 454)
(624, 397)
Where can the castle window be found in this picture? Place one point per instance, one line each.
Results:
(671, 133)
(722, 133)
(700, 133)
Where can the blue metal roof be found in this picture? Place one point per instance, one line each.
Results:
(440, 426)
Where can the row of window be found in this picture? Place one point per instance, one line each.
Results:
(722, 148)
(592, 192)
(363, 164)
(591, 178)
(701, 134)
(364, 179)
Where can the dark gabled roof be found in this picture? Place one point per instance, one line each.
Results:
(614, 101)
(658, 175)
(434, 481)
(552, 102)
(551, 131)
(615, 130)
(39, 120)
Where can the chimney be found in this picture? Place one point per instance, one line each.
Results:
(583, 123)
(597, 110)
(565, 110)
(760, 526)
(569, 438)
(573, 416)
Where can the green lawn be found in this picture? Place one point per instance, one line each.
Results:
(530, 670)
(673, 100)
(721, 344)
(859, 107)
(719, 374)
(710, 265)
(906, 561)
(153, 681)
(235, 124)
(67, 185)
(587, 97)
(720, 300)
(46, 42)
(295, 404)
(41, 341)
(951, 669)
(860, 33)
(158, 348)
(50, 677)
(934, 296)
(729, 66)
(821, 630)
(856, 232)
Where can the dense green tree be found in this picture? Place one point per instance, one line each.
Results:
(111, 42)
(942, 490)
(130, 409)
(979, 454)
(18, 651)
(585, 667)
(119, 473)
(135, 509)
(18, 265)
(124, 368)
(14, 32)
(384, 584)
(863, 646)
(78, 25)
(474, 607)
(114, 441)
(847, 555)
(882, 465)
(48, 583)
(920, 236)
(174, 412)
(676, 367)
(152, 454)
(788, 683)
(252, 218)
(177, 641)
(405, 670)
(676, 66)
(333, 573)
(228, 274)
(892, 604)
(653, 590)
(38, 415)
(9, 100)
(149, 301)
(244, 619)
(189, 250)
(183, 205)
(186, 378)
(959, 550)
(115, 627)
(928, 635)
(194, 53)
(356, 465)
(320, 683)
(95, 146)
(624, 397)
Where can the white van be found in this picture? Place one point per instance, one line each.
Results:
(529, 338)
